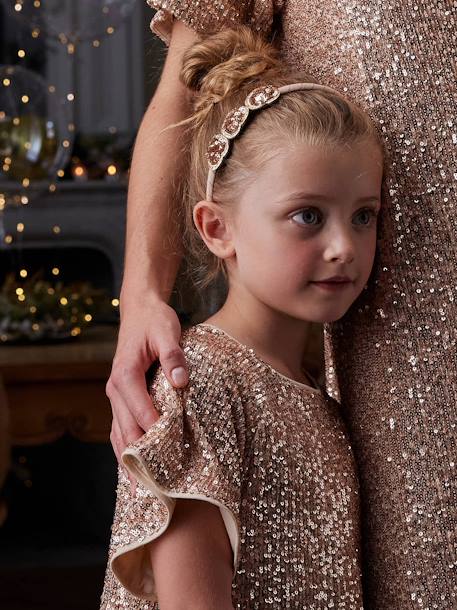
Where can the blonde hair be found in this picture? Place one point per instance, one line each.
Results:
(222, 70)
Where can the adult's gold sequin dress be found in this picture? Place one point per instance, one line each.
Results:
(273, 454)
(395, 351)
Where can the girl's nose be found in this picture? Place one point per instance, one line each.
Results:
(341, 249)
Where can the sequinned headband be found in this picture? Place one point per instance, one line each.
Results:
(259, 97)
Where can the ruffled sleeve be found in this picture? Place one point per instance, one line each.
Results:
(195, 450)
(209, 16)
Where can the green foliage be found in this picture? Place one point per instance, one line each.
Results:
(48, 311)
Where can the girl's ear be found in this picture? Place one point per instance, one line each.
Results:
(211, 223)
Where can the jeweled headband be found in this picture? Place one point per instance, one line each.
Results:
(259, 97)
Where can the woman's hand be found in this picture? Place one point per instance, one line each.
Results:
(149, 330)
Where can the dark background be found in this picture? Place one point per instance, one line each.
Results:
(60, 495)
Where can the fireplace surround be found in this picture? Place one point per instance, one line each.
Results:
(79, 228)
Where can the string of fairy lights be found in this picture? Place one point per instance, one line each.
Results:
(37, 134)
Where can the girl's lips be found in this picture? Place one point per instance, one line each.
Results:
(332, 286)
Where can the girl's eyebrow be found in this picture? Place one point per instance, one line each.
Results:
(302, 195)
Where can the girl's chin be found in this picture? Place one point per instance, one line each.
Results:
(328, 319)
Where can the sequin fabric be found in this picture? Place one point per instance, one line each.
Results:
(392, 359)
(205, 16)
(273, 454)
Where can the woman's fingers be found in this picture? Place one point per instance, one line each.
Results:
(116, 440)
(124, 429)
(166, 345)
(173, 363)
(118, 444)
(130, 400)
(127, 429)
(140, 343)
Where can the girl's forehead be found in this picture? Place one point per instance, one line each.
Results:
(306, 162)
(318, 174)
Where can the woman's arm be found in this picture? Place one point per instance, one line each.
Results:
(192, 561)
(149, 328)
(153, 244)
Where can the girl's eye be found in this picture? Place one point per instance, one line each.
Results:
(367, 215)
(308, 216)
(313, 217)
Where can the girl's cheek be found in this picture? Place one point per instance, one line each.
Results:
(309, 251)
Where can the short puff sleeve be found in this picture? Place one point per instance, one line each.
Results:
(194, 450)
(209, 16)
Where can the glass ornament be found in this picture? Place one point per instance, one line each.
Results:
(36, 133)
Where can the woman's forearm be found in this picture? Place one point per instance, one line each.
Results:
(154, 208)
(153, 248)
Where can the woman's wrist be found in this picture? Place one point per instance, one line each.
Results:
(134, 297)
(149, 282)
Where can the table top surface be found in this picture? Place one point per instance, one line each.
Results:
(96, 344)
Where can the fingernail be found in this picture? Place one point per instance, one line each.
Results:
(179, 376)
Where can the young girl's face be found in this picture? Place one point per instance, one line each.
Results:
(309, 215)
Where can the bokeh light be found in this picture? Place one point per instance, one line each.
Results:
(91, 19)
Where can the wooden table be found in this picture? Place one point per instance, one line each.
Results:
(47, 390)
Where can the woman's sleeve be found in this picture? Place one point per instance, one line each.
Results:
(209, 16)
(195, 451)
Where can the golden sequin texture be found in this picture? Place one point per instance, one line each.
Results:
(394, 354)
(273, 454)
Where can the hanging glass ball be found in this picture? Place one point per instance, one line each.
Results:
(36, 132)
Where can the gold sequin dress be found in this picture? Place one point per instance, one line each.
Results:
(273, 454)
(393, 356)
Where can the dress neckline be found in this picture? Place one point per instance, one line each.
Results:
(316, 390)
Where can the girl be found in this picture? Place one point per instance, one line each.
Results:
(248, 494)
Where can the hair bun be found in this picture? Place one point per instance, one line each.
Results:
(226, 60)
